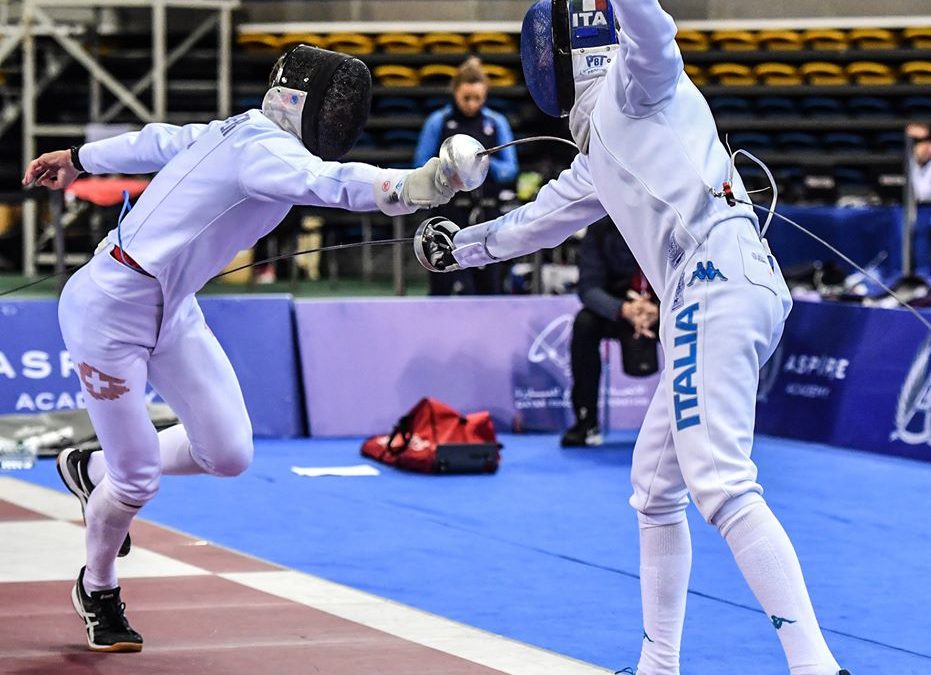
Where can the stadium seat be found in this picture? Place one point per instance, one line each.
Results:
(776, 106)
(870, 73)
(504, 106)
(399, 43)
(289, 40)
(778, 74)
(499, 76)
(445, 43)
(891, 141)
(822, 73)
(730, 106)
(493, 43)
(734, 40)
(396, 76)
(437, 74)
(435, 103)
(918, 38)
(869, 106)
(850, 177)
(696, 74)
(395, 137)
(917, 72)
(366, 140)
(798, 141)
(395, 105)
(258, 41)
(780, 40)
(873, 38)
(917, 107)
(844, 141)
(351, 43)
(752, 141)
(826, 39)
(693, 41)
(821, 106)
(732, 74)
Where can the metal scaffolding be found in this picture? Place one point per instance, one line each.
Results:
(38, 20)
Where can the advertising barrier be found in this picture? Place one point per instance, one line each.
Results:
(850, 376)
(365, 362)
(37, 375)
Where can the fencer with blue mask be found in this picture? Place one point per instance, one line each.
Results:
(651, 159)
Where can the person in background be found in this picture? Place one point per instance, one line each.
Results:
(467, 114)
(616, 303)
(920, 162)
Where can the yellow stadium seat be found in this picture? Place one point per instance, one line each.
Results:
(350, 43)
(732, 74)
(919, 38)
(499, 76)
(445, 43)
(396, 76)
(696, 74)
(399, 43)
(873, 38)
(871, 73)
(734, 40)
(917, 72)
(493, 43)
(778, 74)
(437, 73)
(258, 41)
(780, 40)
(290, 40)
(825, 38)
(821, 73)
(693, 41)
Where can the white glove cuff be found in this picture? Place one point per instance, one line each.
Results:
(387, 189)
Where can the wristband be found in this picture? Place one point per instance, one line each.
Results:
(76, 160)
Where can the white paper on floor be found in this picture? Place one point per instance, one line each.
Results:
(317, 471)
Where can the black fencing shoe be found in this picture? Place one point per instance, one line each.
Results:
(72, 467)
(844, 672)
(582, 434)
(102, 612)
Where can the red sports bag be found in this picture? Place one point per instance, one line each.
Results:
(434, 438)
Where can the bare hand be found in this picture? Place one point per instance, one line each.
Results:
(53, 170)
(642, 313)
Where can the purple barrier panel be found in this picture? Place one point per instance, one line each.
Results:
(366, 362)
(36, 373)
(850, 376)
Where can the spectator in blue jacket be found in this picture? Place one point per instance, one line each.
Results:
(616, 303)
(467, 114)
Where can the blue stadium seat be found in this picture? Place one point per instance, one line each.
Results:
(850, 177)
(400, 137)
(396, 105)
(891, 141)
(821, 106)
(798, 141)
(366, 140)
(435, 103)
(730, 106)
(869, 106)
(752, 141)
(776, 106)
(845, 141)
(917, 106)
(505, 106)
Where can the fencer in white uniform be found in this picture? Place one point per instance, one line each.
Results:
(651, 159)
(130, 315)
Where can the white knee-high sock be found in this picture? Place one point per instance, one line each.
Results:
(175, 449)
(665, 565)
(108, 522)
(770, 565)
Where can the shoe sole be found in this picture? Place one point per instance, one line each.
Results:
(61, 465)
(116, 647)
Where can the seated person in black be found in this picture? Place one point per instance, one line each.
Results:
(617, 304)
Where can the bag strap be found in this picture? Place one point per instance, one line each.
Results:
(403, 427)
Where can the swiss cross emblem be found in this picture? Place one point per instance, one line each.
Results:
(101, 386)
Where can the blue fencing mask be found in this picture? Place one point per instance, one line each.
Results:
(565, 44)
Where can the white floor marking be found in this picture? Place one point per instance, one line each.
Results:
(48, 502)
(414, 625)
